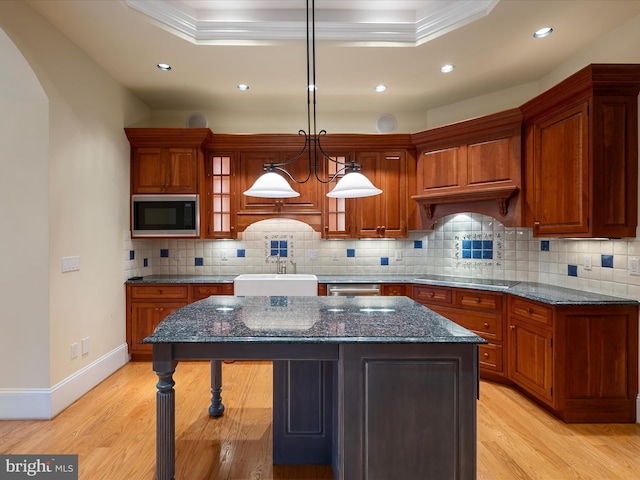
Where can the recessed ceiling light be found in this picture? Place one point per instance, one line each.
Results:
(380, 88)
(447, 68)
(165, 67)
(243, 87)
(543, 32)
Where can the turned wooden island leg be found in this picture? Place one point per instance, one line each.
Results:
(217, 408)
(165, 426)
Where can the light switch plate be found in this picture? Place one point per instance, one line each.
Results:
(70, 264)
(634, 266)
(587, 262)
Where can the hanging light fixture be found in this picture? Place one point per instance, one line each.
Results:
(351, 183)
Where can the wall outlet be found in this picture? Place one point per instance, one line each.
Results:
(398, 255)
(335, 256)
(70, 264)
(223, 255)
(74, 350)
(313, 255)
(634, 266)
(85, 345)
(587, 262)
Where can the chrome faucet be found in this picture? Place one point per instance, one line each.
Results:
(281, 267)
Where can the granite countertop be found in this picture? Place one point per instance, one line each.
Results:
(550, 294)
(308, 320)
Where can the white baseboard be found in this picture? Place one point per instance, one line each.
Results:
(46, 403)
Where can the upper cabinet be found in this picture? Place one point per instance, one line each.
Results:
(581, 151)
(166, 160)
(471, 166)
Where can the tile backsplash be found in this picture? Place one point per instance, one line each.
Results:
(469, 245)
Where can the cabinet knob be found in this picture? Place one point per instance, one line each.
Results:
(478, 300)
(512, 327)
(431, 294)
(529, 310)
(486, 325)
(485, 355)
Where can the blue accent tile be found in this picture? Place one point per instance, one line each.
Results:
(476, 244)
(283, 244)
(466, 243)
(572, 270)
(132, 254)
(487, 254)
(476, 253)
(384, 261)
(145, 262)
(274, 251)
(417, 244)
(487, 244)
(164, 253)
(199, 261)
(274, 244)
(351, 252)
(466, 254)
(240, 253)
(283, 253)
(544, 245)
(607, 261)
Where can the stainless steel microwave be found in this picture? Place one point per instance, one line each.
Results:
(165, 215)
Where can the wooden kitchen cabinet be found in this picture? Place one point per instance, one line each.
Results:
(166, 160)
(394, 289)
(471, 166)
(219, 203)
(482, 312)
(149, 304)
(581, 152)
(379, 216)
(581, 362)
(307, 207)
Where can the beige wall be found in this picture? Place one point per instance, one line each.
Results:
(68, 189)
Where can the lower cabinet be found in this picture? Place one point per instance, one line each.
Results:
(581, 362)
(481, 312)
(149, 304)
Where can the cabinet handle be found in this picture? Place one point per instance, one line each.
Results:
(512, 327)
(486, 325)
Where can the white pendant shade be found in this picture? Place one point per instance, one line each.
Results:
(354, 185)
(271, 185)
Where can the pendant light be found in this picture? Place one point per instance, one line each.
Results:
(351, 184)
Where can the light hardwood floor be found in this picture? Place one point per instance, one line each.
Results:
(112, 429)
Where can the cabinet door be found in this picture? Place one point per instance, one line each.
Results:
(441, 169)
(531, 358)
(147, 172)
(145, 317)
(561, 173)
(218, 206)
(383, 215)
(181, 170)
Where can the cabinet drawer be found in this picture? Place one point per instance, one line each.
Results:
(394, 290)
(487, 325)
(479, 300)
(203, 291)
(490, 357)
(160, 292)
(429, 295)
(531, 311)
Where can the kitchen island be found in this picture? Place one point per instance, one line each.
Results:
(399, 383)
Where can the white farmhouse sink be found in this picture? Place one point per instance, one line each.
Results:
(275, 284)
